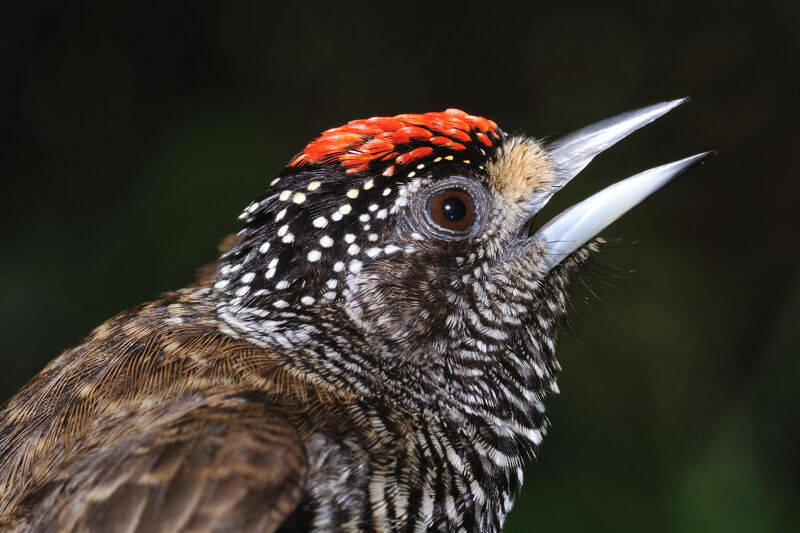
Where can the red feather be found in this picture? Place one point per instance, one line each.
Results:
(402, 139)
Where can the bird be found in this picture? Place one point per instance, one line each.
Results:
(371, 351)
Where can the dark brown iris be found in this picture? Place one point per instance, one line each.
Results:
(452, 210)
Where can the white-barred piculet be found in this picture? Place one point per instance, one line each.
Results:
(371, 352)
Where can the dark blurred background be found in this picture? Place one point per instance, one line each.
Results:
(132, 137)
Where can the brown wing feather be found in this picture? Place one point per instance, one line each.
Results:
(233, 466)
(159, 421)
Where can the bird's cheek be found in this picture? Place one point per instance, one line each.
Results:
(394, 307)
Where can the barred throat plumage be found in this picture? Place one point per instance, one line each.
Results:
(448, 441)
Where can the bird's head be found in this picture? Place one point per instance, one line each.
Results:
(394, 255)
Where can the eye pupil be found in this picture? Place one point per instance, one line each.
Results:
(454, 209)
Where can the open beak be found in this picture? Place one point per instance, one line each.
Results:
(578, 224)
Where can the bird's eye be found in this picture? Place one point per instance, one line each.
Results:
(452, 209)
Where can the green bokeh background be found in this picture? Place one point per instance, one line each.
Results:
(133, 135)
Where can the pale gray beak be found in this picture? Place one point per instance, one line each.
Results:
(577, 225)
(570, 154)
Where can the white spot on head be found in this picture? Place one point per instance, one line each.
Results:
(349, 238)
(314, 185)
(352, 193)
(330, 295)
(285, 195)
(314, 255)
(372, 237)
(354, 266)
(299, 198)
(338, 266)
(344, 209)
(336, 217)
(353, 249)
(326, 242)
(373, 207)
(264, 248)
(381, 214)
(413, 186)
(273, 182)
(331, 283)
(412, 174)
(364, 217)
(320, 222)
(372, 252)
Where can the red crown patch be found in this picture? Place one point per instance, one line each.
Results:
(397, 140)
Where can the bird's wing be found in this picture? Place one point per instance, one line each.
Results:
(234, 466)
